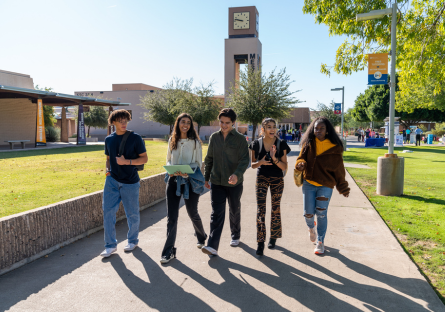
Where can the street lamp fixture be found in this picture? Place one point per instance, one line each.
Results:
(390, 169)
(342, 106)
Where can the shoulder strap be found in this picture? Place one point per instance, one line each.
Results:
(124, 140)
(278, 146)
(260, 144)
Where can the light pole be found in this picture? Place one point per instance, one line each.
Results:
(342, 106)
(390, 169)
(374, 15)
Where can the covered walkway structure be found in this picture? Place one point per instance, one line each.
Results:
(18, 111)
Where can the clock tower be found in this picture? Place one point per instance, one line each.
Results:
(243, 45)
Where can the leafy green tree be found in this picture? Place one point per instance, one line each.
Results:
(97, 117)
(163, 106)
(420, 37)
(48, 111)
(203, 106)
(351, 123)
(256, 96)
(328, 112)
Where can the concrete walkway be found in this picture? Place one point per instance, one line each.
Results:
(364, 268)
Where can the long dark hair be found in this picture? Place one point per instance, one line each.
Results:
(309, 136)
(176, 135)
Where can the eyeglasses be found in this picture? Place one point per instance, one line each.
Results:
(123, 122)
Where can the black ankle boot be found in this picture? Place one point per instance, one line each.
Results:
(272, 242)
(260, 250)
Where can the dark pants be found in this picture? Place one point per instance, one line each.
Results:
(359, 137)
(418, 139)
(191, 205)
(219, 194)
(408, 139)
(276, 186)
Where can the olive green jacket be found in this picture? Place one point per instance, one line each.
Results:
(226, 157)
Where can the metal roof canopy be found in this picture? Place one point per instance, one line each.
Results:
(53, 98)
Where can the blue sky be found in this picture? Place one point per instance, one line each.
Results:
(88, 45)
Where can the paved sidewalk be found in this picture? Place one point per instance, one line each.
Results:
(364, 268)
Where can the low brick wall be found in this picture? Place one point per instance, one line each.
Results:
(30, 235)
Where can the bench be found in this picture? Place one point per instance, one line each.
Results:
(11, 143)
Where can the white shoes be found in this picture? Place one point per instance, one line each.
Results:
(108, 251)
(319, 250)
(130, 247)
(200, 245)
(234, 242)
(312, 234)
(209, 251)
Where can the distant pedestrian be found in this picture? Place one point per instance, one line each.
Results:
(367, 132)
(404, 135)
(184, 148)
(408, 135)
(321, 163)
(418, 135)
(363, 135)
(226, 161)
(122, 181)
(359, 134)
(269, 157)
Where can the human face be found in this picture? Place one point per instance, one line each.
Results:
(121, 125)
(270, 129)
(226, 124)
(320, 130)
(184, 126)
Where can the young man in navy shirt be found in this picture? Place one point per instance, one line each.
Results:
(122, 181)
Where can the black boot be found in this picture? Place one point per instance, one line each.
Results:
(272, 242)
(260, 249)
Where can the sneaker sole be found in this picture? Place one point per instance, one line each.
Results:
(208, 252)
(107, 255)
(199, 246)
(318, 253)
(166, 261)
(131, 248)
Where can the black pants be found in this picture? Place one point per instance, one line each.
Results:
(408, 138)
(359, 137)
(219, 194)
(191, 205)
(417, 139)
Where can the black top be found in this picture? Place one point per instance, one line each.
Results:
(269, 170)
(133, 148)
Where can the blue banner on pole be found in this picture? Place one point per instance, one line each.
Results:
(377, 78)
(337, 108)
(81, 138)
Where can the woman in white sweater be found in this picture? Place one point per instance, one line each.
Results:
(184, 148)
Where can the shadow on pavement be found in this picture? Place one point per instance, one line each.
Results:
(19, 284)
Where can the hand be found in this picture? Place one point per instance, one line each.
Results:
(207, 185)
(122, 161)
(233, 179)
(273, 151)
(265, 162)
(300, 166)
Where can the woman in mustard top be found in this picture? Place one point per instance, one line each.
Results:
(321, 160)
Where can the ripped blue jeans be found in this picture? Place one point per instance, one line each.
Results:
(315, 202)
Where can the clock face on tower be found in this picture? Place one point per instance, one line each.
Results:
(241, 20)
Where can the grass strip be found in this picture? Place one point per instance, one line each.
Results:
(32, 179)
(417, 218)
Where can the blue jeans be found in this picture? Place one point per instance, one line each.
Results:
(114, 192)
(315, 202)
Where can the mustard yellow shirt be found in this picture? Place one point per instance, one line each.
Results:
(320, 148)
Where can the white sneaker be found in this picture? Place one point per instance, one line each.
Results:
(200, 245)
(319, 250)
(209, 251)
(108, 251)
(234, 242)
(130, 247)
(312, 234)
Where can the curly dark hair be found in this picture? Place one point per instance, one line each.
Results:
(309, 136)
(264, 124)
(176, 135)
(119, 114)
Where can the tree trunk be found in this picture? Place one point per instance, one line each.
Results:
(253, 131)
(199, 129)
(88, 135)
(171, 129)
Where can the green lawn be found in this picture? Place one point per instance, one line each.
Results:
(418, 217)
(32, 179)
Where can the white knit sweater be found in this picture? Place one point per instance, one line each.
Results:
(187, 152)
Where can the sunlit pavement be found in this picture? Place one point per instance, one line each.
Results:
(363, 269)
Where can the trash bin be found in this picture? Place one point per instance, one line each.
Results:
(430, 138)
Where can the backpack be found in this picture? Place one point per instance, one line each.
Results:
(122, 146)
(260, 142)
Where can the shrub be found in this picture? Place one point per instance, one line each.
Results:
(439, 129)
(52, 134)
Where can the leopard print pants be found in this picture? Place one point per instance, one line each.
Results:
(276, 189)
